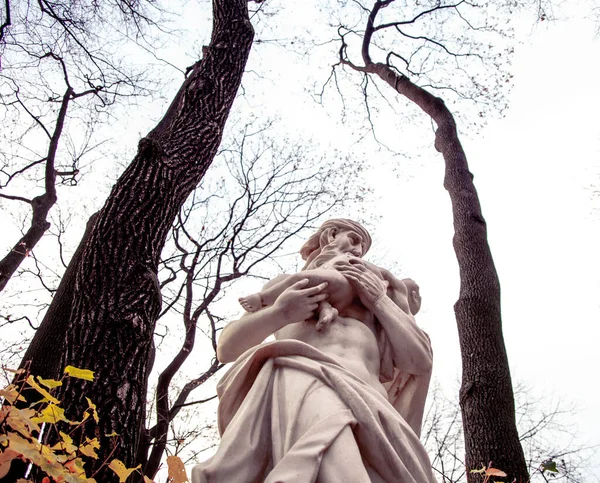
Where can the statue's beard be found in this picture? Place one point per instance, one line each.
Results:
(329, 251)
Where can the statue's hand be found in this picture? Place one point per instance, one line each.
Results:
(297, 303)
(369, 287)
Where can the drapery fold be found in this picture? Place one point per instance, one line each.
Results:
(283, 403)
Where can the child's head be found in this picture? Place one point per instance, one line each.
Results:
(414, 295)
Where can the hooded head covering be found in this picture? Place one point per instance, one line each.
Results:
(322, 237)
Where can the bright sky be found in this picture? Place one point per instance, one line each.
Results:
(540, 189)
(537, 171)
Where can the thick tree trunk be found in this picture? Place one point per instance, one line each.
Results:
(486, 395)
(116, 296)
(53, 329)
(39, 359)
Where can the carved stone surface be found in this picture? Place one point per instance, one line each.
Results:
(339, 395)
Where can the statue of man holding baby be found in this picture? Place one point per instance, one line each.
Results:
(339, 395)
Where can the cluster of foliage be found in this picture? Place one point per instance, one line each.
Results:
(23, 427)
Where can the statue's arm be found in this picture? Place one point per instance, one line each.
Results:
(410, 345)
(295, 304)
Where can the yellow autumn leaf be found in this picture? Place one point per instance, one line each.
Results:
(85, 374)
(66, 444)
(112, 435)
(49, 383)
(148, 480)
(47, 396)
(11, 394)
(92, 407)
(39, 454)
(88, 451)
(177, 472)
(21, 420)
(63, 458)
(76, 467)
(121, 470)
(90, 447)
(23, 446)
(51, 414)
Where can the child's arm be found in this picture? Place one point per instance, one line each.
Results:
(297, 303)
(268, 295)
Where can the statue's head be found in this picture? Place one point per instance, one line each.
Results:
(346, 236)
(414, 295)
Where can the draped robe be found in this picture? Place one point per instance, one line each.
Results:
(268, 432)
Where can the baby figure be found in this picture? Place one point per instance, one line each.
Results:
(405, 293)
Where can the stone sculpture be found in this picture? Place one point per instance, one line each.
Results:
(334, 399)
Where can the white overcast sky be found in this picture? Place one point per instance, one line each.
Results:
(537, 171)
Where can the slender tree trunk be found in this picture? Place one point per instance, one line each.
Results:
(486, 395)
(40, 205)
(116, 297)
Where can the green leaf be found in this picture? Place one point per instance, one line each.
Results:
(549, 465)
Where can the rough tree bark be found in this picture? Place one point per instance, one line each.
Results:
(486, 394)
(116, 297)
(53, 329)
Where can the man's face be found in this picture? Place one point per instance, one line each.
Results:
(348, 241)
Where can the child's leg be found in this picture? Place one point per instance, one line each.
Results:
(266, 297)
(252, 302)
(327, 314)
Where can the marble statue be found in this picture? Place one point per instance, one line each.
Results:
(339, 395)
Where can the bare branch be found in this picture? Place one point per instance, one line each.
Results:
(16, 198)
(418, 16)
(7, 20)
(40, 204)
(191, 403)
